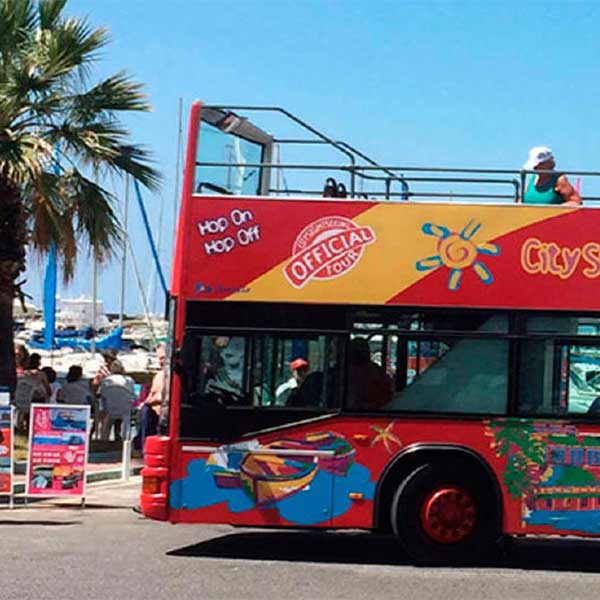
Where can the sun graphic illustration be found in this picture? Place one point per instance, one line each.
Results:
(386, 436)
(457, 251)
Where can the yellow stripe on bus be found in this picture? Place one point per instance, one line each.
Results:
(387, 266)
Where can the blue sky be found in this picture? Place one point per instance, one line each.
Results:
(410, 83)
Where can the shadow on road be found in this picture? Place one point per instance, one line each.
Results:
(38, 522)
(306, 546)
(365, 548)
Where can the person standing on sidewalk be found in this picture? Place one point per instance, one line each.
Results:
(150, 411)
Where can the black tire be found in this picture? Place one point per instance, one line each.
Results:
(478, 545)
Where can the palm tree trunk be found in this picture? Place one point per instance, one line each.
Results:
(13, 240)
(7, 356)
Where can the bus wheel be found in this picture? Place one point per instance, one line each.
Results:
(442, 516)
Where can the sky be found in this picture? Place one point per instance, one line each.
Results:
(455, 84)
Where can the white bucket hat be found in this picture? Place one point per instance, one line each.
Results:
(537, 155)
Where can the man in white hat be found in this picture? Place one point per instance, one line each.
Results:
(547, 188)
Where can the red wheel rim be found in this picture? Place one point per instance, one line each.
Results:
(448, 514)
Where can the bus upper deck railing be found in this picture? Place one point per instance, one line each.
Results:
(363, 176)
(517, 184)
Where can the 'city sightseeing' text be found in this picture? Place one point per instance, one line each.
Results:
(549, 258)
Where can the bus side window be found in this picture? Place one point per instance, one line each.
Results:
(219, 372)
(582, 384)
(297, 372)
(558, 379)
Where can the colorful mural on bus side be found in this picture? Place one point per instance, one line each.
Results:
(298, 485)
(548, 472)
(553, 469)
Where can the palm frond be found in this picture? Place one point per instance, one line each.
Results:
(17, 24)
(23, 156)
(49, 12)
(92, 144)
(71, 44)
(135, 160)
(116, 93)
(103, 144)
(91, 206)
(47, 206)
(68, 245)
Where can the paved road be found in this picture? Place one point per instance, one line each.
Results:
(107, 551)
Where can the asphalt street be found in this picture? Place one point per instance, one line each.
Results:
(107, 551)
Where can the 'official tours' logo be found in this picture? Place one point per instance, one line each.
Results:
(327, 248)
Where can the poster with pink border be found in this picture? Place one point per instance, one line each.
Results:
(58, 449)
(6, 450)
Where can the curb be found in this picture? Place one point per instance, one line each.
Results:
(19, 488)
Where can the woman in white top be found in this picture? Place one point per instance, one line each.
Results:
(117, 395)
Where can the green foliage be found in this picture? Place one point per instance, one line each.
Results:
(516, 477)
(518, 440)
(519, 436)
(51, 114)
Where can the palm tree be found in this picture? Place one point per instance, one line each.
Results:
(59, 133)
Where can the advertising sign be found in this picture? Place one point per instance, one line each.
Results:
(58, 448)
(399, 253)
(6, 450)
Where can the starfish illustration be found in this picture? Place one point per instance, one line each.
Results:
(386, 436)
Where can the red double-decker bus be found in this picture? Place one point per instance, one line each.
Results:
(372, 359)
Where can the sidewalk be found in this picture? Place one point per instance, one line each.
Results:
(110, 494)
(96, 472)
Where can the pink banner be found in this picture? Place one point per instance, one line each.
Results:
(58, 447)
(6, 450)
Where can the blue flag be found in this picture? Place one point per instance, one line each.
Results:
(50, 298)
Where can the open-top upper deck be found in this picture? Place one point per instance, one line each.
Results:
(366, 248)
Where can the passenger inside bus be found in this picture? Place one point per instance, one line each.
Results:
(547, 188)
(318, 389)
(369, 387)
(299, 370)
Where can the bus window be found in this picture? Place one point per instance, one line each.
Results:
(221, 371)
(421, 355)
(558, 379)
(294, 372)
(583, 380)
(236, 384)
(263, 371)
(443, 372)
(538, 391)
(455, 376)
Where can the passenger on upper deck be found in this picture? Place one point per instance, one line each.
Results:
(547, 188)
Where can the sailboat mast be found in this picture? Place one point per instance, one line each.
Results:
(94, 300)
(124, 252)
(178, 161)
(152, 294)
